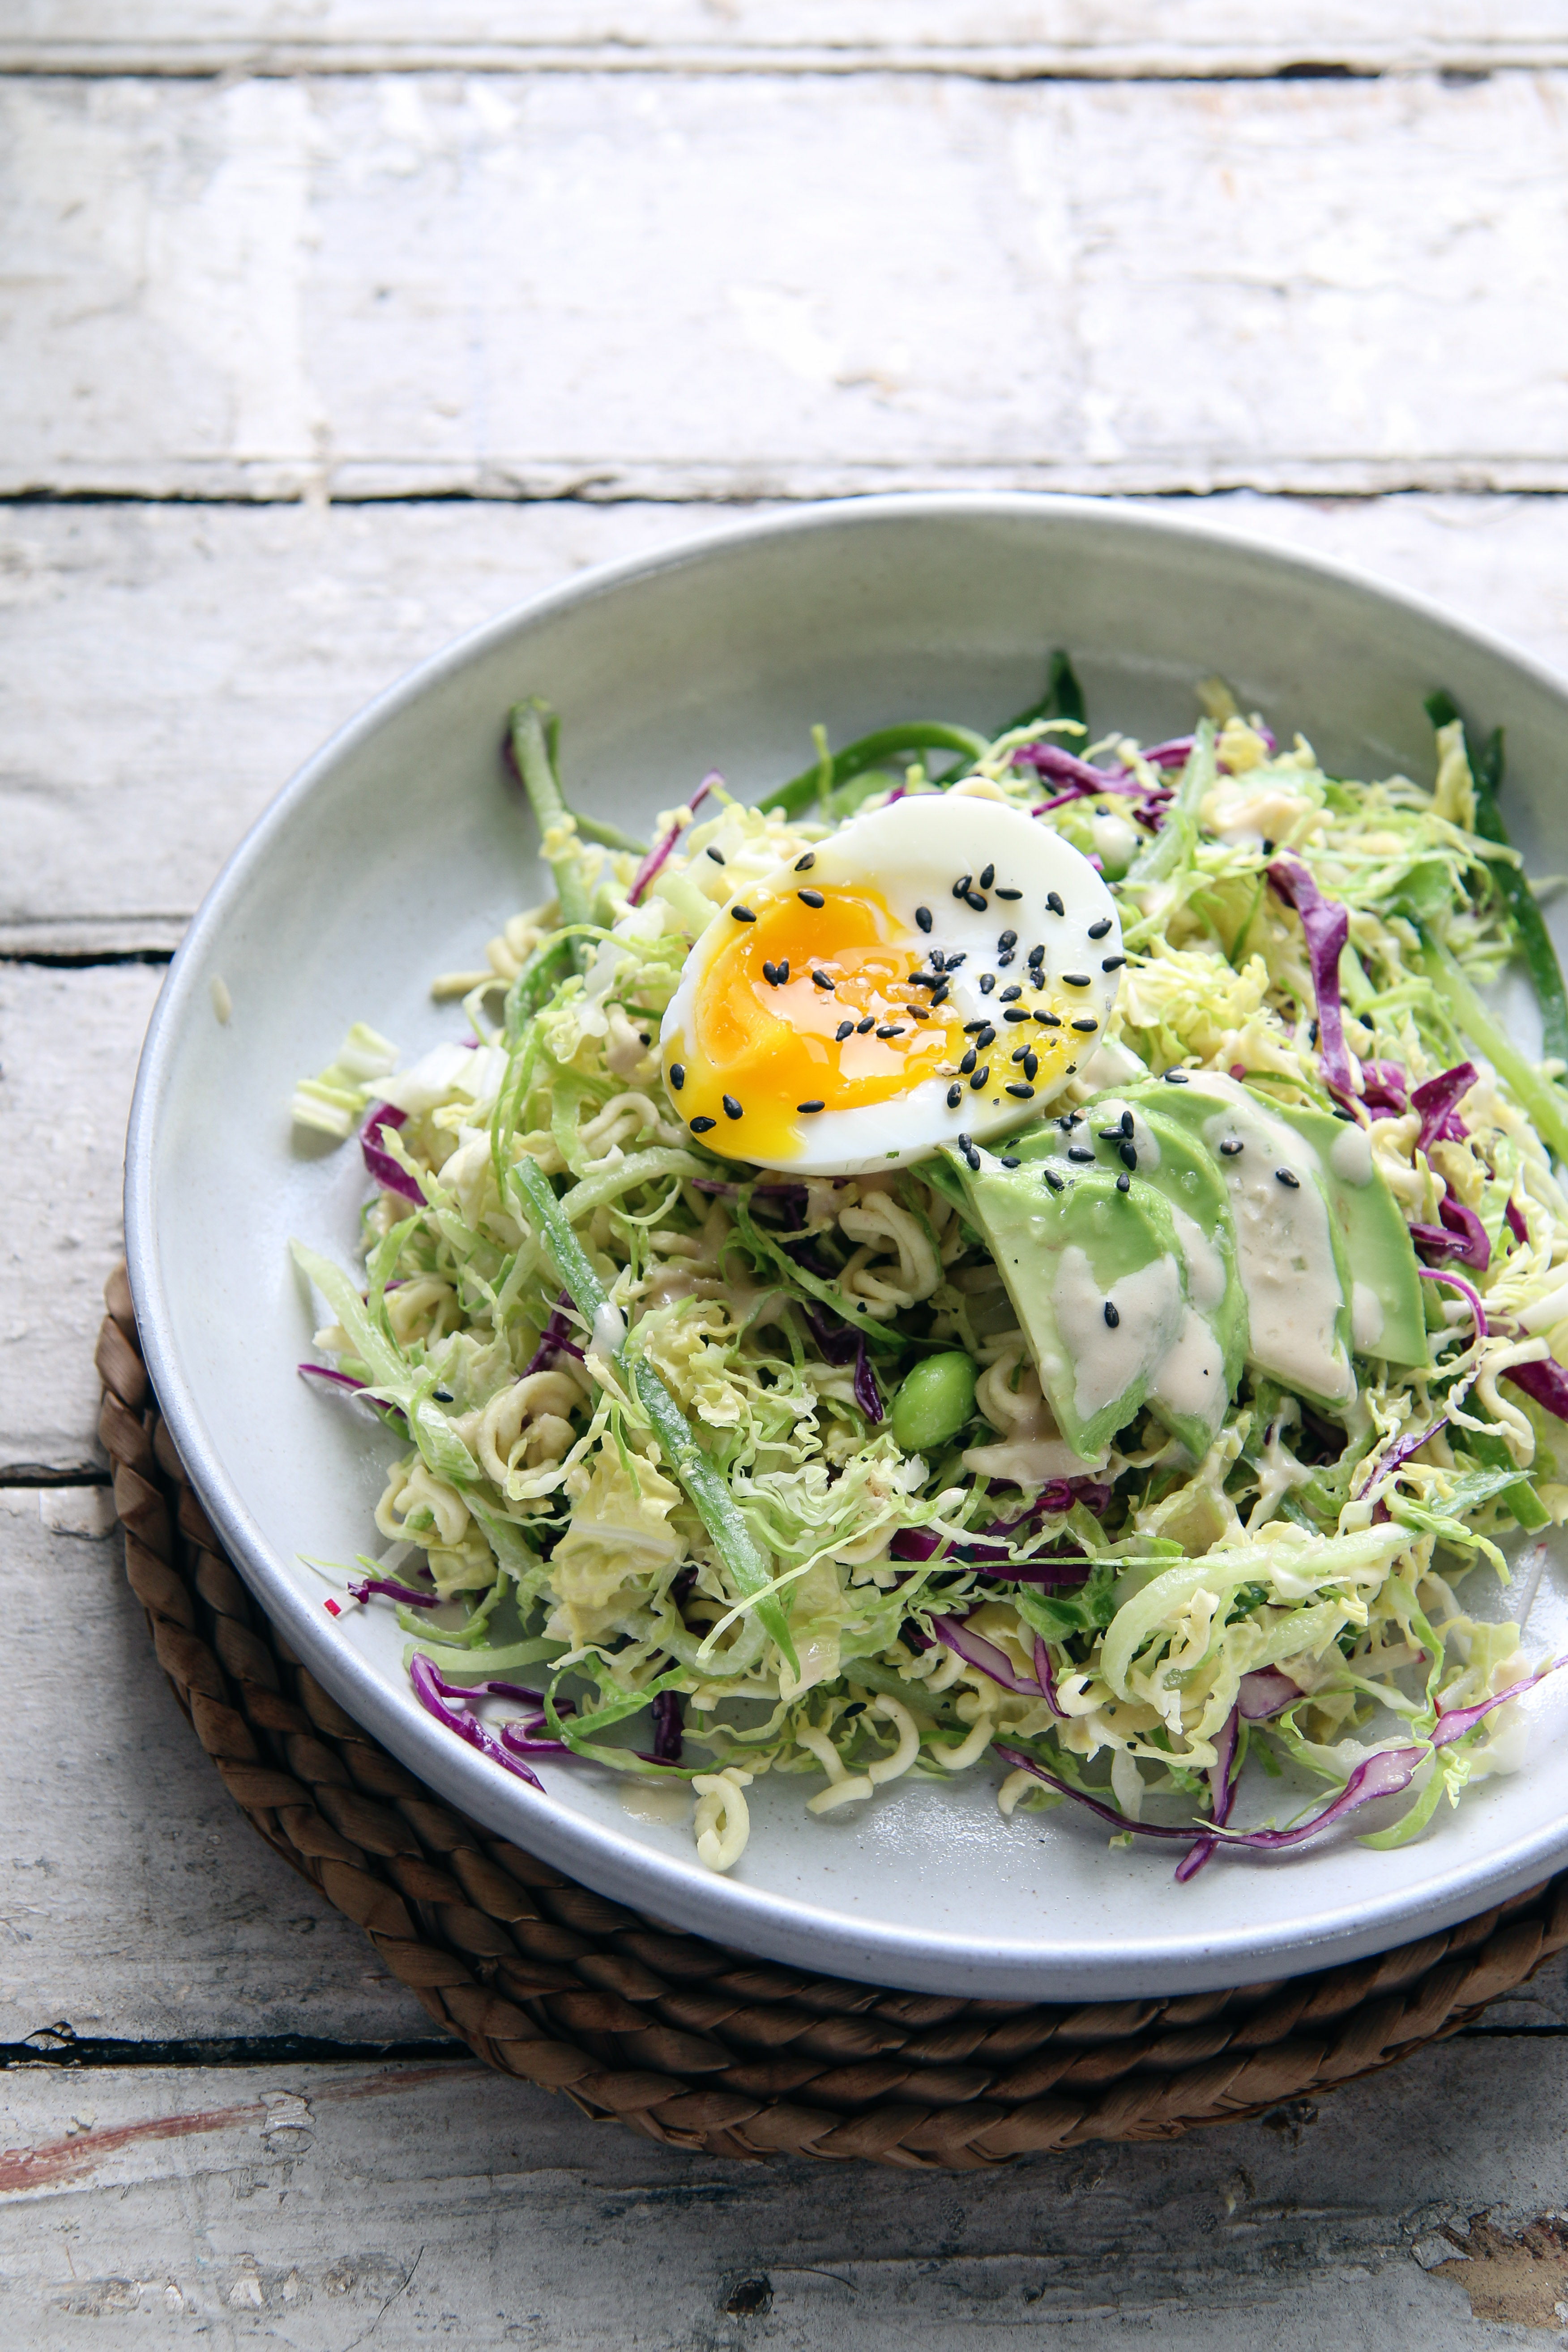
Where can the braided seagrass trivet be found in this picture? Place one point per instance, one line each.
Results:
(690, 2044)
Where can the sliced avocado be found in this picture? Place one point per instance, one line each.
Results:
(1292, 1249)
(1388, 1315)
(1095, 1274)
(1185, 1398)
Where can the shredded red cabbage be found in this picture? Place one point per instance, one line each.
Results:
(1222, 1793)
(1383, 1093)
(1080, 776)
(326, 1372)
(433, 1693)
(1398, 1453)
(1453, 1722)
(653, 865)
(1327, 925)
(1461, 1234)
(1458, 1282)
(555, 1340)
(978, 1652)
(1046, 1679)
(1435, 1100)
(667, 1727)
(1263, 1692)
(839, 1344)
(407, 1593)
(380, 1161)
(1517, 1222)
(1547, 1383)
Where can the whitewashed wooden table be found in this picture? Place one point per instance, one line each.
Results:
(331, 328)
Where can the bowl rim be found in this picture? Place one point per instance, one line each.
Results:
(777, 1927)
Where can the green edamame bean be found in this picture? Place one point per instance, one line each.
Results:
(934, 1402)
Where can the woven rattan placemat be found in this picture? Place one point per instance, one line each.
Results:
(693, 2044)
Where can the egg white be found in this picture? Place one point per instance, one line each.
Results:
(912, 852)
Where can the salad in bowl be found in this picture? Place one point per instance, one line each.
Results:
(1025, 1256)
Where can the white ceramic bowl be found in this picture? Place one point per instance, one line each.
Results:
(400, 848)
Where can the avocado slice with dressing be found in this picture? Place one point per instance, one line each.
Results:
(1387, 1311)
(1098, 1280)
(1291, 1247)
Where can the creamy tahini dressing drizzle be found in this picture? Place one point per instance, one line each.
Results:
(1191, 1379)
(1205, 1264)
(1350, 1158)
(1285, 1248)
(1366, 1317)
(1106, 1360)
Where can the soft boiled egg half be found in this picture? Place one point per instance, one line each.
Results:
(938, 968)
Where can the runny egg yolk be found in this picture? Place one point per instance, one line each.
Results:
(772, 1047)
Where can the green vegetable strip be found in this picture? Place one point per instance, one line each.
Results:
(1543, 1101)
(705, 1490)
(610, 837)
(1172, 845)
(390, 1376)
(534, 986)
(1511, 882)
(809, 1284)
(1063, 698)
(533, 726)
(801, 793)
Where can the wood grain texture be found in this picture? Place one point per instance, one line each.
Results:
(314, 2205)
(71, 1042)
(138, 1906)
(1056, 36)
(643, 286)
(166, 669)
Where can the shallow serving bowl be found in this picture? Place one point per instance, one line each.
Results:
(401, 849)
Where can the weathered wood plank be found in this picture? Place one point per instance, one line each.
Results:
(166, 669)
(139, 1903)
(71, 1043)
(632, 285)
(316, 2204)
(1119, 38)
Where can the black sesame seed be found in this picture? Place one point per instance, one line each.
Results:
(973, 1159)
(940, 997)
(1024, 1093)
(1070, 1119)
(1010, 995)
(969, 1061)
(770, 973)
(1267, 847)
(864, 1028)
(923, 917)
(966, 1143)
(1037, 958)
(1009, 893)
(1008, 940)
(811, 897)
(823, 980)
(961, 887)
(1124, 1183)
(954, 959)
(988, 983)
(1098, 930)
(954, 1097)
(1053, 900)
(716, 856)
(1111, 1314)
(1005, 958)
(1113, 963)
(970, 1026)
(972, 898)
(677, 1075)
(893, 1029)
(1075, 980)
(1031, 1064)
(701, 1126)
(987, 1036)
(1288, 1178)
(1007, 1159)
(1017, 1013)
(1129, 1154)
(733, 1109)
(1087, 1027)
(980, 1079)
(919, 1012)
(1175, 1077)
(804, 865)
(1053, 1180)
(742, 914)
(1230, 1147)
(845, 1029)
(810, 1105)
(1110, 1135)
(1020, 1053)
(1082, 1153)
(921, 980)
(988, 878)
(1127, 1123)
(1048, 1020)
(646, 1036)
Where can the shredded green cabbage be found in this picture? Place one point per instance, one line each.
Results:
(693, 1500)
